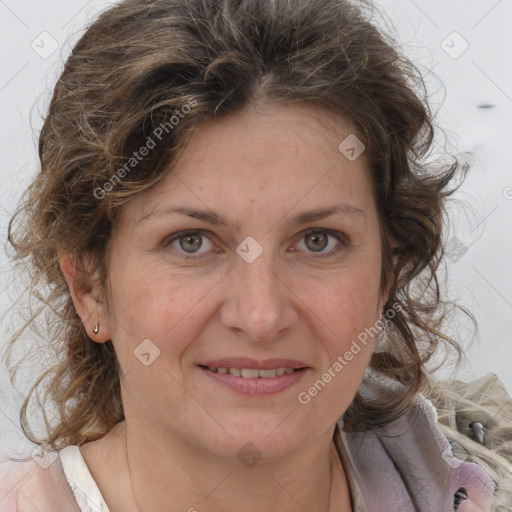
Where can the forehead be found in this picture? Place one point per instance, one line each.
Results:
(262, 131)
(264, 154)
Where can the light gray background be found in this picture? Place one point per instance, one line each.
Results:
(37, 36)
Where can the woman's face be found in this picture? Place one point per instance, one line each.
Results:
(216, 266)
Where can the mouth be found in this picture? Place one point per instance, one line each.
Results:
(251, 373)
(250, 377)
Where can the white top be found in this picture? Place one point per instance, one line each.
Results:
(85, 490)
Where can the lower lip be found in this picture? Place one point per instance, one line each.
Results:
(257, 386)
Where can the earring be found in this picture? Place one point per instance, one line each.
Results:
(96, 328)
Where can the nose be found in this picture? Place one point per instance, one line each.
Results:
(259, 303)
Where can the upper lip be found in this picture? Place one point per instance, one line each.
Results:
(244, 362)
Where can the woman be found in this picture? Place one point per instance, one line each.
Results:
(235, 223)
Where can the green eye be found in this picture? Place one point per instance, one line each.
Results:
(317, 241)
(191, 243)
(323, 242)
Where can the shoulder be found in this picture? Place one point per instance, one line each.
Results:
(411, 461)
(476, 417)
(480, 410)
(29, 486)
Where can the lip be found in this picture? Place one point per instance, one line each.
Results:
(256, 386)
(245, 362)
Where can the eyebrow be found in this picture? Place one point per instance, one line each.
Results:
(216, 220)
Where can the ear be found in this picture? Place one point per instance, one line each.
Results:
(85, 293)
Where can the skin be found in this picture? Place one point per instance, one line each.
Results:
(257, 168)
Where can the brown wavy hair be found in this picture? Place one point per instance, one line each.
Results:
(135, 68)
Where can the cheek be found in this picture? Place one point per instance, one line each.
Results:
(150, 302)
(348, 312)
(347, 304)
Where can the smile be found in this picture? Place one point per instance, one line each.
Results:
(252, 373)
(252, 381)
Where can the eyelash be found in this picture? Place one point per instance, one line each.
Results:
(338, 236)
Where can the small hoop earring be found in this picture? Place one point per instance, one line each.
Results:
(96, 328)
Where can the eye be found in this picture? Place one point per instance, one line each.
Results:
(317, 240)
(189, 242)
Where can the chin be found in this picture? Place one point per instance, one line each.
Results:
(252, 441)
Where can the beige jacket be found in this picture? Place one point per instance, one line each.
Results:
(476, 417)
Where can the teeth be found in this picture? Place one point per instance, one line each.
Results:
(267, 373)
(218, 370)
(252, 373)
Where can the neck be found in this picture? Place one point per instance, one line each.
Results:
(194, 481)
